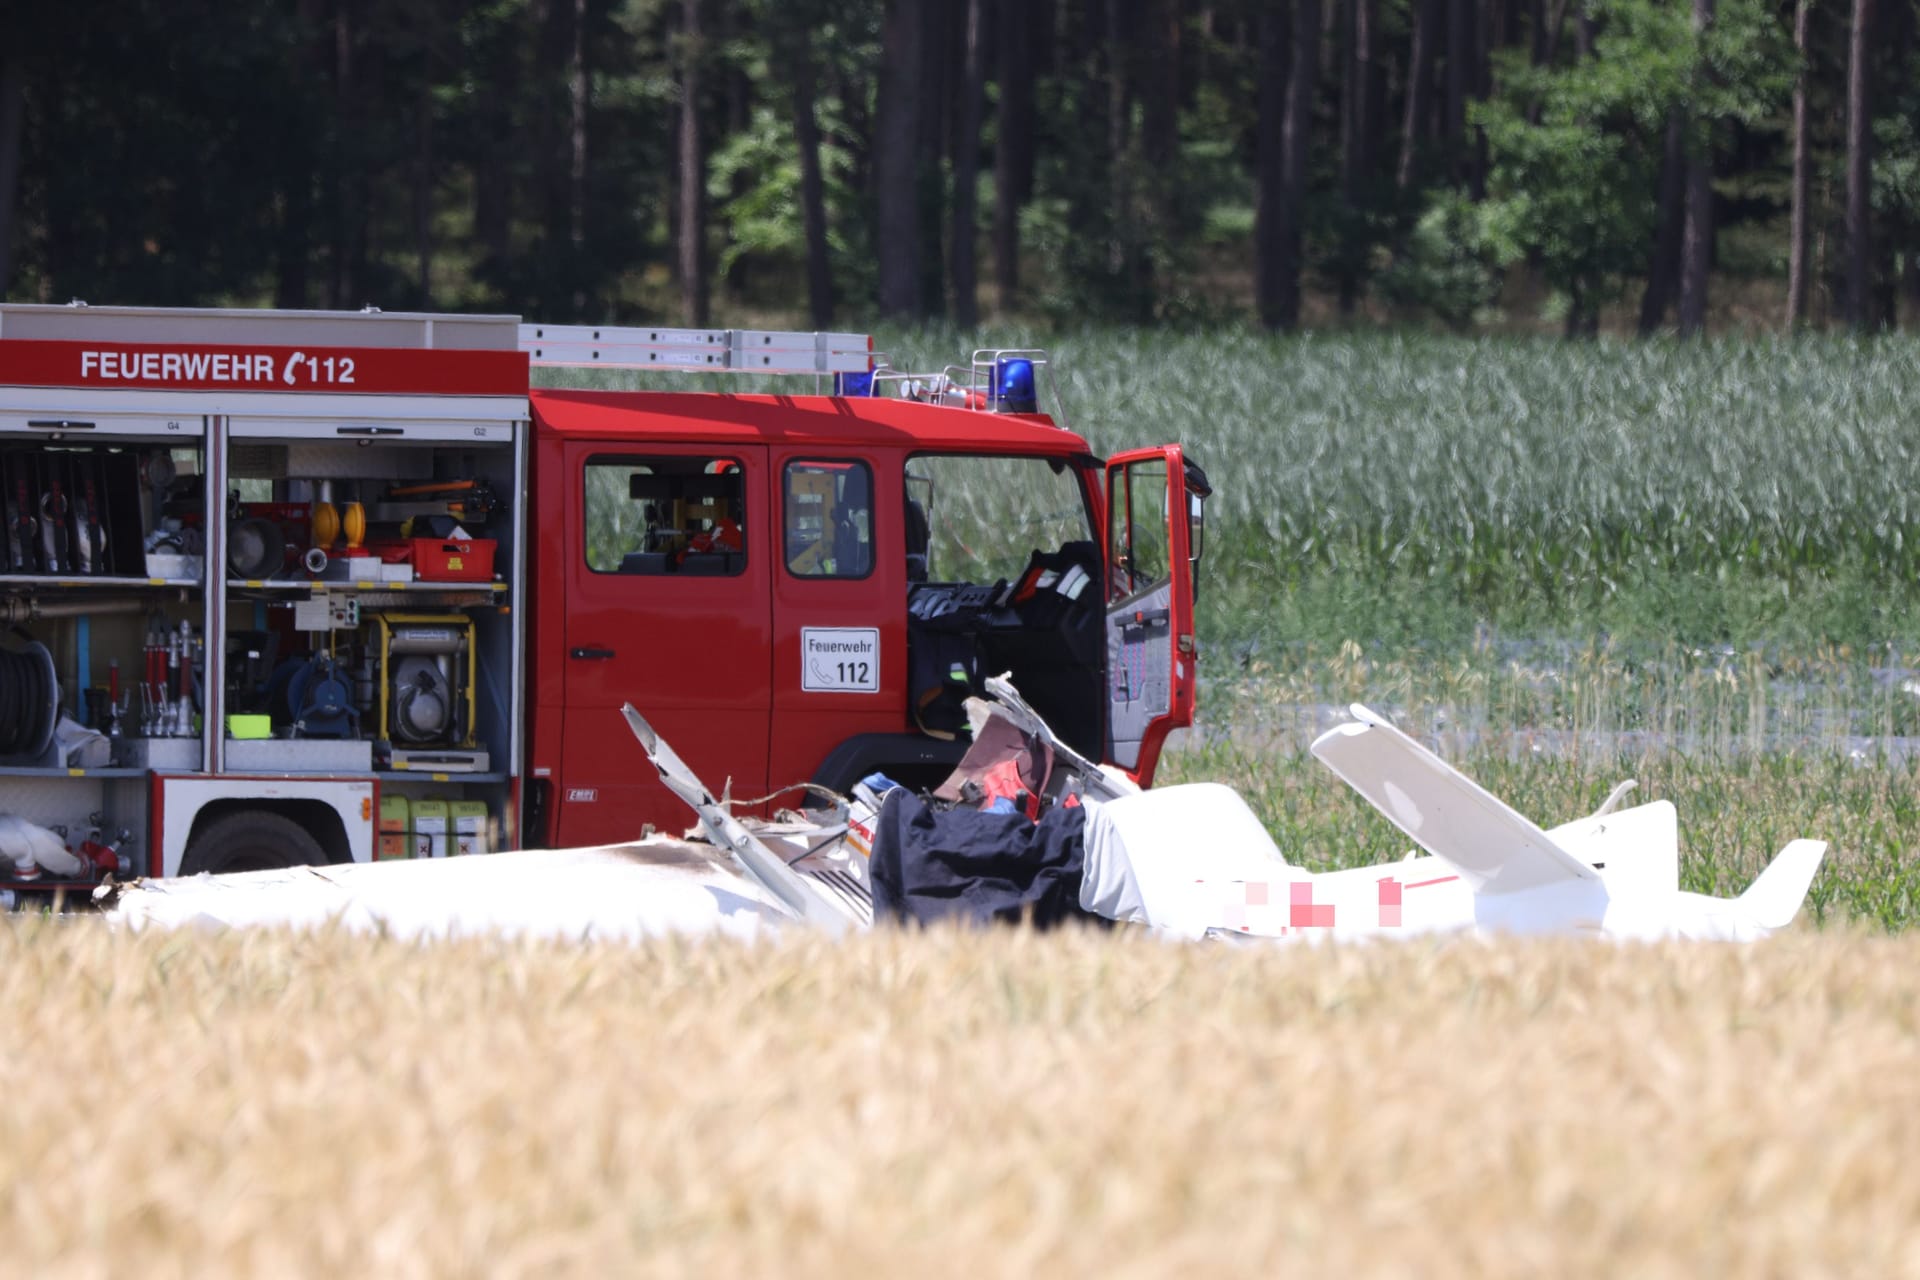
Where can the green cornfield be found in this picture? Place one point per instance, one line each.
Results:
(1422, 489)
(1427, 490)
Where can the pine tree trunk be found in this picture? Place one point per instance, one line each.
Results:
(1159, 55)
(1270, 164)
(423, 190)
(1419, 85)
(342, 278)
(966, 170)
(1859, 172)
(813, 199)
(1696, 240)
(493, 170)
(938, 84)
(1663, 267)
(1481, 88)
(693, 175)
(1158, 45)
(1459, 80)
(577, 127)
(1296, 141)
(1802, 178)
(13, 102)
(1358, 129)
(298, 164)
(1013, 147)
(1120, 235)
(895, 164)
(1373, 93)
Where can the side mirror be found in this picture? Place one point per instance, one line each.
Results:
(1198, 491)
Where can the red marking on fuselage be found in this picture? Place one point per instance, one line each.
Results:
(1424, 883)
(1390, 903)
(1303, 912)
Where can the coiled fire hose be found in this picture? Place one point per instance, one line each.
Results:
(27, 701)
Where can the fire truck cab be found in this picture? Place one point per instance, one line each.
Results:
(292, 587)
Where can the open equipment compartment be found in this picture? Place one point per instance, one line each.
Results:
(102, 596)
(187, 456)
(380, 633)
(381, 636)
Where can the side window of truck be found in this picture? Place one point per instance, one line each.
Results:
(978, 518)
(1138, 551)
(828, 514)
(658, 515)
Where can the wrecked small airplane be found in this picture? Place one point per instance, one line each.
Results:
(1193, 860)
(1187, 861)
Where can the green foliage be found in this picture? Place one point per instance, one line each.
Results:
(1575, 149)
(754, 180)
(1749, 65)
(1450, 265)
(422, 153)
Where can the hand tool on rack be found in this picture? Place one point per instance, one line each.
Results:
(150, 687)
(53, 527)
(105, 709)
(467, 500)
(23, 528)
(173, 686)
(87, 526)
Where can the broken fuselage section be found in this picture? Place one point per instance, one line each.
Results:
(1188, 861)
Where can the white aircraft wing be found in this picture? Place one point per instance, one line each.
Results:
(759, 863)
(653, 888)
(1493, 847)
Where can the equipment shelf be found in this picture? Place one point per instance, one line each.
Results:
(10, 580)
(47, 884)
(362, 586)
(62, 771)
(386, 776)
(438, 776)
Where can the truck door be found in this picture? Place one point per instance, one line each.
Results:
(1150, 644)
(839, 604)
(668, 606)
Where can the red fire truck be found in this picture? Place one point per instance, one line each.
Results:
(303, 587)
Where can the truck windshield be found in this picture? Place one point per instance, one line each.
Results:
(979, 519)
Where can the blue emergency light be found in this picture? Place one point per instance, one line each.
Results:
(853, 384)
(1012, 390)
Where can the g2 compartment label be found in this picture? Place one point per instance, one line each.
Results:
(840, 659)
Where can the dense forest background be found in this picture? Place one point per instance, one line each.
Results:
(1645, 164)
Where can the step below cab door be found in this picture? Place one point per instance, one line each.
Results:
(1150, 643)
(668, 608)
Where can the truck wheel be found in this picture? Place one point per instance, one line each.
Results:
(252, 842)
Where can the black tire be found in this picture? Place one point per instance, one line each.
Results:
(252, 841)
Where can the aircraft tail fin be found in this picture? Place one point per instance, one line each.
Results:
(1776, 894)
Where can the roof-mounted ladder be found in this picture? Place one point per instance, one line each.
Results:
(696, 350)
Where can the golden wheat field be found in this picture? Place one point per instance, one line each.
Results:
(956, 1104)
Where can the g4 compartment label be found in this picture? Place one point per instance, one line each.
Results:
(840, 659)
